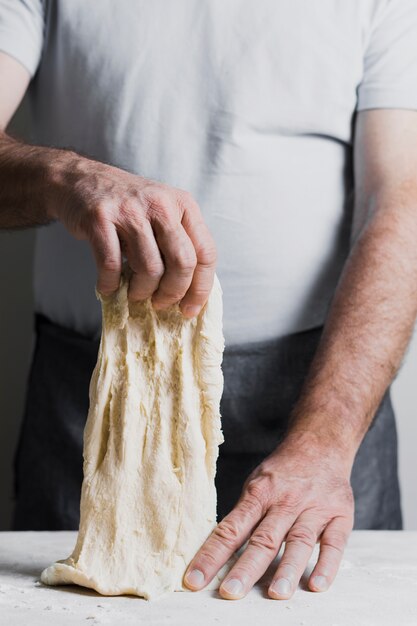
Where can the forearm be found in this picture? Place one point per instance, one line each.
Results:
(30, 182)
(367, 330)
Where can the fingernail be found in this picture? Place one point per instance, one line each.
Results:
(233, 586)
(282, 587)
(320, 583)
(195, 578)
(191, 310)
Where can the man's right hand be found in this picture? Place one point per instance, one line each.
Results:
(158, 228)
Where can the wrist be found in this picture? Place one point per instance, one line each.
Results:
(60, 168)
(316, 436)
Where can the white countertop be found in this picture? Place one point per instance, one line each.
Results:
(377, 585)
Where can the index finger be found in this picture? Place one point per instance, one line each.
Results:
(205, 249)
(108, 256)
(228, 536)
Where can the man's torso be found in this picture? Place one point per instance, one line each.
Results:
(249, 106)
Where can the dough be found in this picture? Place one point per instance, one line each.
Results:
(151, 442)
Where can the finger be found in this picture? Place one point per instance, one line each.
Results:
(263, 546)
(179, 260)
(299, 545)
(108, 256)
(205, 249)
(332, 545)
(145, 261)
(228, 536)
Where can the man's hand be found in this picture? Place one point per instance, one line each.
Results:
(159, 228)
(300, 494)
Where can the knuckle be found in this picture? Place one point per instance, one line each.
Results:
(153, 269)
(157, 195)
(247, 570)
(105, 289)
(208, 254)
(109, 265)
(264, 538)
(254, 489)
(98, 211)
(335, 539)
(205, 245)
(100, 214)
(261, 487)
(131, 217)
(227, 531)
(196, 297)
(252, 503)
(185, 262)
(290, 500)
(288, 569)
(328, 543)
(206, 559)
(302, 534)
(95, 227)
(159, 201)
(165, 301)
(97, 230)
(169, 295)
(187, 198)
(188, 205)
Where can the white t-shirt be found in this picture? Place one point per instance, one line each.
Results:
(248, 105)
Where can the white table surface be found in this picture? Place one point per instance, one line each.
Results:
(377, 584)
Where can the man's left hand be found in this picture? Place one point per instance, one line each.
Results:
(299, 494)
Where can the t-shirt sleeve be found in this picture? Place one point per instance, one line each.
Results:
(390, 64)
(21, 31)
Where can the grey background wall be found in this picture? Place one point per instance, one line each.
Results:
(16, 314)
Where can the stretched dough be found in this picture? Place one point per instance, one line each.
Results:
(151, 442)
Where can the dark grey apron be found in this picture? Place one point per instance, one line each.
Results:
(262, 383)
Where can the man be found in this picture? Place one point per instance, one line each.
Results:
(256, 118)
